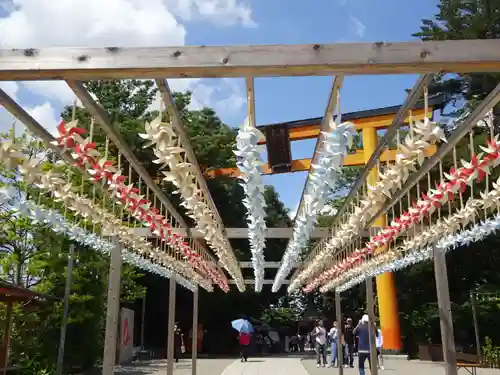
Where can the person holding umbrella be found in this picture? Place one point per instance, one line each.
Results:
(245, 329)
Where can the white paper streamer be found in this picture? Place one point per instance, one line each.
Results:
(250, 165)
(411, 153)
(477, 233)
(182, 174)
(322, 180)
(58, 224)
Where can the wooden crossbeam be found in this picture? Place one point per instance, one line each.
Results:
(242, 232)
(266, 264)
(255, 60)
(301, 165)
(265, 282)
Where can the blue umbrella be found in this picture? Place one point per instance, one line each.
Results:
(242, 325)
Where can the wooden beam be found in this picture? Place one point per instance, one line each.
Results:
(252, 281)
(301, 165)
(379, 122)
(242, 232)
(266, 264)
(175, 118)
(255, 60)
(325, 124)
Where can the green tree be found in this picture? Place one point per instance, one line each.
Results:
(33, 256)
(457, 20)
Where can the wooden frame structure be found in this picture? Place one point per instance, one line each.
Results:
(74, 65)
(245, 61)
(11, 294)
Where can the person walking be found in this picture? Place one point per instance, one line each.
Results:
(362, 331)
(319, 334)
(179, 347)
(244, 340)
(349, 343)
(334, 337)
(379, 342)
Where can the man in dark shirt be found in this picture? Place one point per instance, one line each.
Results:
(349, 342)
(362, 331)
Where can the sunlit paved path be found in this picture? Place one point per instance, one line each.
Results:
(394, 367)
(281, 366)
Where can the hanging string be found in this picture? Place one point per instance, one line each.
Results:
(441, 176)
(157, 239)
(410, 123)
(103, 182)
(122, 206)
(455, 163)
(130, 180)
(339, 112)
(426, 104)
(471, 147)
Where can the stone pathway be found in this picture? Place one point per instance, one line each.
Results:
(267, 366)
(392, 367)
(281, 366)
(159, 367)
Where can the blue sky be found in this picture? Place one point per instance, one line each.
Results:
(291, 22)
(230, 22)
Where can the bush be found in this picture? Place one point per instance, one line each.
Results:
(491, 354)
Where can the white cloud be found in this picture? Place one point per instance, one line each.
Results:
(221, 12)
(359, 27)
(90, 23)
(223, 95)
(11, 88)
(293, 213)
(58, 90)
(46, 115)
(127, 23)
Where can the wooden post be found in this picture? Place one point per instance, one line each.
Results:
(112, 311)
(64, 324)
(171, 323)
(6, 338)
(445, 318)
(476, 326)
(340, 331)
(194, 330)
(143, 321)
(371, 327)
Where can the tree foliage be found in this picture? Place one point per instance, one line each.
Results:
(457, 20)
(34, 257)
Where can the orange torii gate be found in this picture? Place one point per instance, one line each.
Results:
(367, 122)
(277, 138)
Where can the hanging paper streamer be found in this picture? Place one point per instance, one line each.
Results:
(102, 170)
(9, 196)
(420, 246)
(476, 234)
(62, 191)
(457, 180)
(411, 153)
(323, 178)
(250, 165)
(182, 174)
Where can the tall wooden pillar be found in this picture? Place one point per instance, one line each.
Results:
(445, 318)
(112, 311)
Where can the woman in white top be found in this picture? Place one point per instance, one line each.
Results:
(319, 334)
(379, 342)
